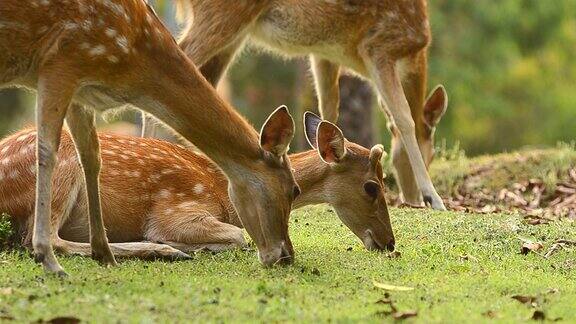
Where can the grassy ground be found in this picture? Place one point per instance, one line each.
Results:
(331, 280)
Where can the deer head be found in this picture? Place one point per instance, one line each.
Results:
(264, 217)
(352, 183)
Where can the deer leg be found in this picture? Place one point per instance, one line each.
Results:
(140, 250)
(326, 76)
(217, 65)
(386, 77)
(414, 86)
(409, 192)
(214, 29)
(82, 127)
(53, 100)
(191, 232)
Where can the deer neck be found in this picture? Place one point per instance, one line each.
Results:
(185, 101)
(310, 173)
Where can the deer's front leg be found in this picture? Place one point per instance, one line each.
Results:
(386, 77)
(82, 127)
(54, 97)
(326, 76)
(140, 250)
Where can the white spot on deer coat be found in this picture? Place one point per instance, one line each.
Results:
(122, 42)
(164, 193)
(111, 32)
(97, 50)
(13, 174)
(5, 149)
(198, 188)
(68, 25)
(187, 204)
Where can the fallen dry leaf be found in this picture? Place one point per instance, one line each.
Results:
(527, 300)
(554, 248)
(6, 291)
(489, 314)
(394, 255)
(528, 247)
(404, 315)
(390, 287)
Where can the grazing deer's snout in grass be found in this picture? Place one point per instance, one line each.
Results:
(353, 183)
(266, 217)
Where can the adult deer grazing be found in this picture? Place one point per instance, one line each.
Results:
(105, 54)
(160, 192)
(384, 41)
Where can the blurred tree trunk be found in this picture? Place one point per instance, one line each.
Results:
(356, 102)
(11, 106)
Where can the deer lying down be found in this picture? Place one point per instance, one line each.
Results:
(160, 192)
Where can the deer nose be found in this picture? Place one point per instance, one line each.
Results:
(390, 246)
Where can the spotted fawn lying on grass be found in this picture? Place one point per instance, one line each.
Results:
(383, 41)
(163, 193)
(82, 55)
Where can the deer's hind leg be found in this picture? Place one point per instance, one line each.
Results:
(192, 230)
(82, 127)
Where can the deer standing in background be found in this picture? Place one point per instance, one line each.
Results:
(177, 200)
(103, 54)
(384, 41)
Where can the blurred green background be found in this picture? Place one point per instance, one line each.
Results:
(509, 67)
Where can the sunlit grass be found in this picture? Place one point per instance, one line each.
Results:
(461, 266)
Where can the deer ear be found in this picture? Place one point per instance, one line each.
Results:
(377, 153)
(435, 106)
(311, 121)
(331, 142)
(277, 132)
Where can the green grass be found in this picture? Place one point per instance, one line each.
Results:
(331, 279)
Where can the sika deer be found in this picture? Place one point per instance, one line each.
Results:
(160, 192)
(105, 54)
(384, 41)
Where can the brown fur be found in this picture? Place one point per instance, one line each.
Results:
(385, 41)
(163, 193)
(105, 54)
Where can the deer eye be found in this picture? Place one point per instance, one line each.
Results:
(372, 188)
